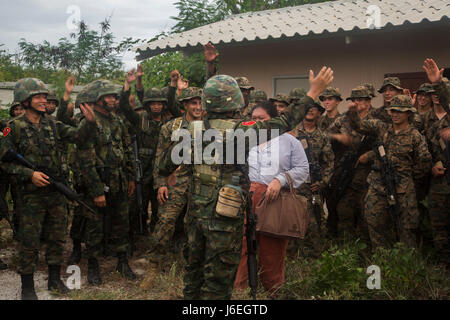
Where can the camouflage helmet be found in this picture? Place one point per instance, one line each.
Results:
(297, 93)
(371, 89)
(222, 94)
(52, 97)
(426, 88)
(106, 88)
(138, 106)
(281, 97)
(28, 87)
(190, 93)
(329, 93)
(360, 92)
(154, 95)
(89, 92)
(14, 105)
(318, 105)
(243, 83)
(393, 81)
(402, 103)
(257, 96)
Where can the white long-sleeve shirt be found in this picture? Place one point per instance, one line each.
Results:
(272, 159)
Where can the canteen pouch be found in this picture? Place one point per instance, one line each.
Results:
(230, 201)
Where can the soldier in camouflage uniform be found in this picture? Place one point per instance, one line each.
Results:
(296, 94)
(109, 149)
(349, 207)
(256, 96)
(214, 230)
(406, 151)
(423, 97)
(438, 137)
(331, 98)
(280, 102)
(321, 158)
(172, 196)
(52, 103)
(36, 137)
(148, 126)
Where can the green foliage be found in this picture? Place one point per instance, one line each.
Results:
(157, 69)
(4, 113)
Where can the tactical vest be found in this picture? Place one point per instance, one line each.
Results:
(207, 179)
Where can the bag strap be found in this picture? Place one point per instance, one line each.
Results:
(291, 184)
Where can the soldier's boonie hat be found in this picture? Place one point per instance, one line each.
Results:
(371, 89)
(258, 96)
(297, 93)
(360, 92)
(402, 103)
(330, 92)
(191, 93)
(281, 97)
(318, 105)
(244, 83)
(426, 87)
(393, 81)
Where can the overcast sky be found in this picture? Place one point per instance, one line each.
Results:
(50, 20)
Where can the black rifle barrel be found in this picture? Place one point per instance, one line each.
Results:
(250, 234)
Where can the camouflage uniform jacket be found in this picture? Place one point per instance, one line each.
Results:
(37, 144)
(318, 149)
(342, 126)
(428, 119)
(437, 147)
(406, 150)
(147, 134)
(164, 144)
(208, 182)
(382, 114)
(325, 122)
(111, 148)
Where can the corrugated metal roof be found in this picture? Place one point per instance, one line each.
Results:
(301, 21)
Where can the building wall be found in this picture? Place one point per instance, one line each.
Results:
(367, 58)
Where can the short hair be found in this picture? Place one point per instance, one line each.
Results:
(268, 107)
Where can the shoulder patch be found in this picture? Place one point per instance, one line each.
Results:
(6, 131)
(249, 123)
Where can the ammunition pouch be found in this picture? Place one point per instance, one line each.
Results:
(230, 201)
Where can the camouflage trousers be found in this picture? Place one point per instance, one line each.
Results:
(77, 229)
(47, 211)
(118, 241)
(439, 208)
(381, 226)
(350, 212)
(212, 251)
(168, 214)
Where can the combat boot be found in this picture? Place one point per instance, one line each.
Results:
(75, 257)
(150, 276)
(3, 266)
(93, 272)
(54, 279)
(28, 292)
(123, 268)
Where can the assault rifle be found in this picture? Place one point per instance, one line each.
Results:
(316, 176)
(59, 186)
(105, 175)
(139, 184)
(250, 234)
(390, 179)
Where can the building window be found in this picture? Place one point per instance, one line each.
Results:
(284, 84)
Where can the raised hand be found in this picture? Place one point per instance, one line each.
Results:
(70, 84)
(87, 112)
(131, 76)
(182, 83)
(140, 71)
(433, 72)
(174, 76)
(320, 83)
(210, 52)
